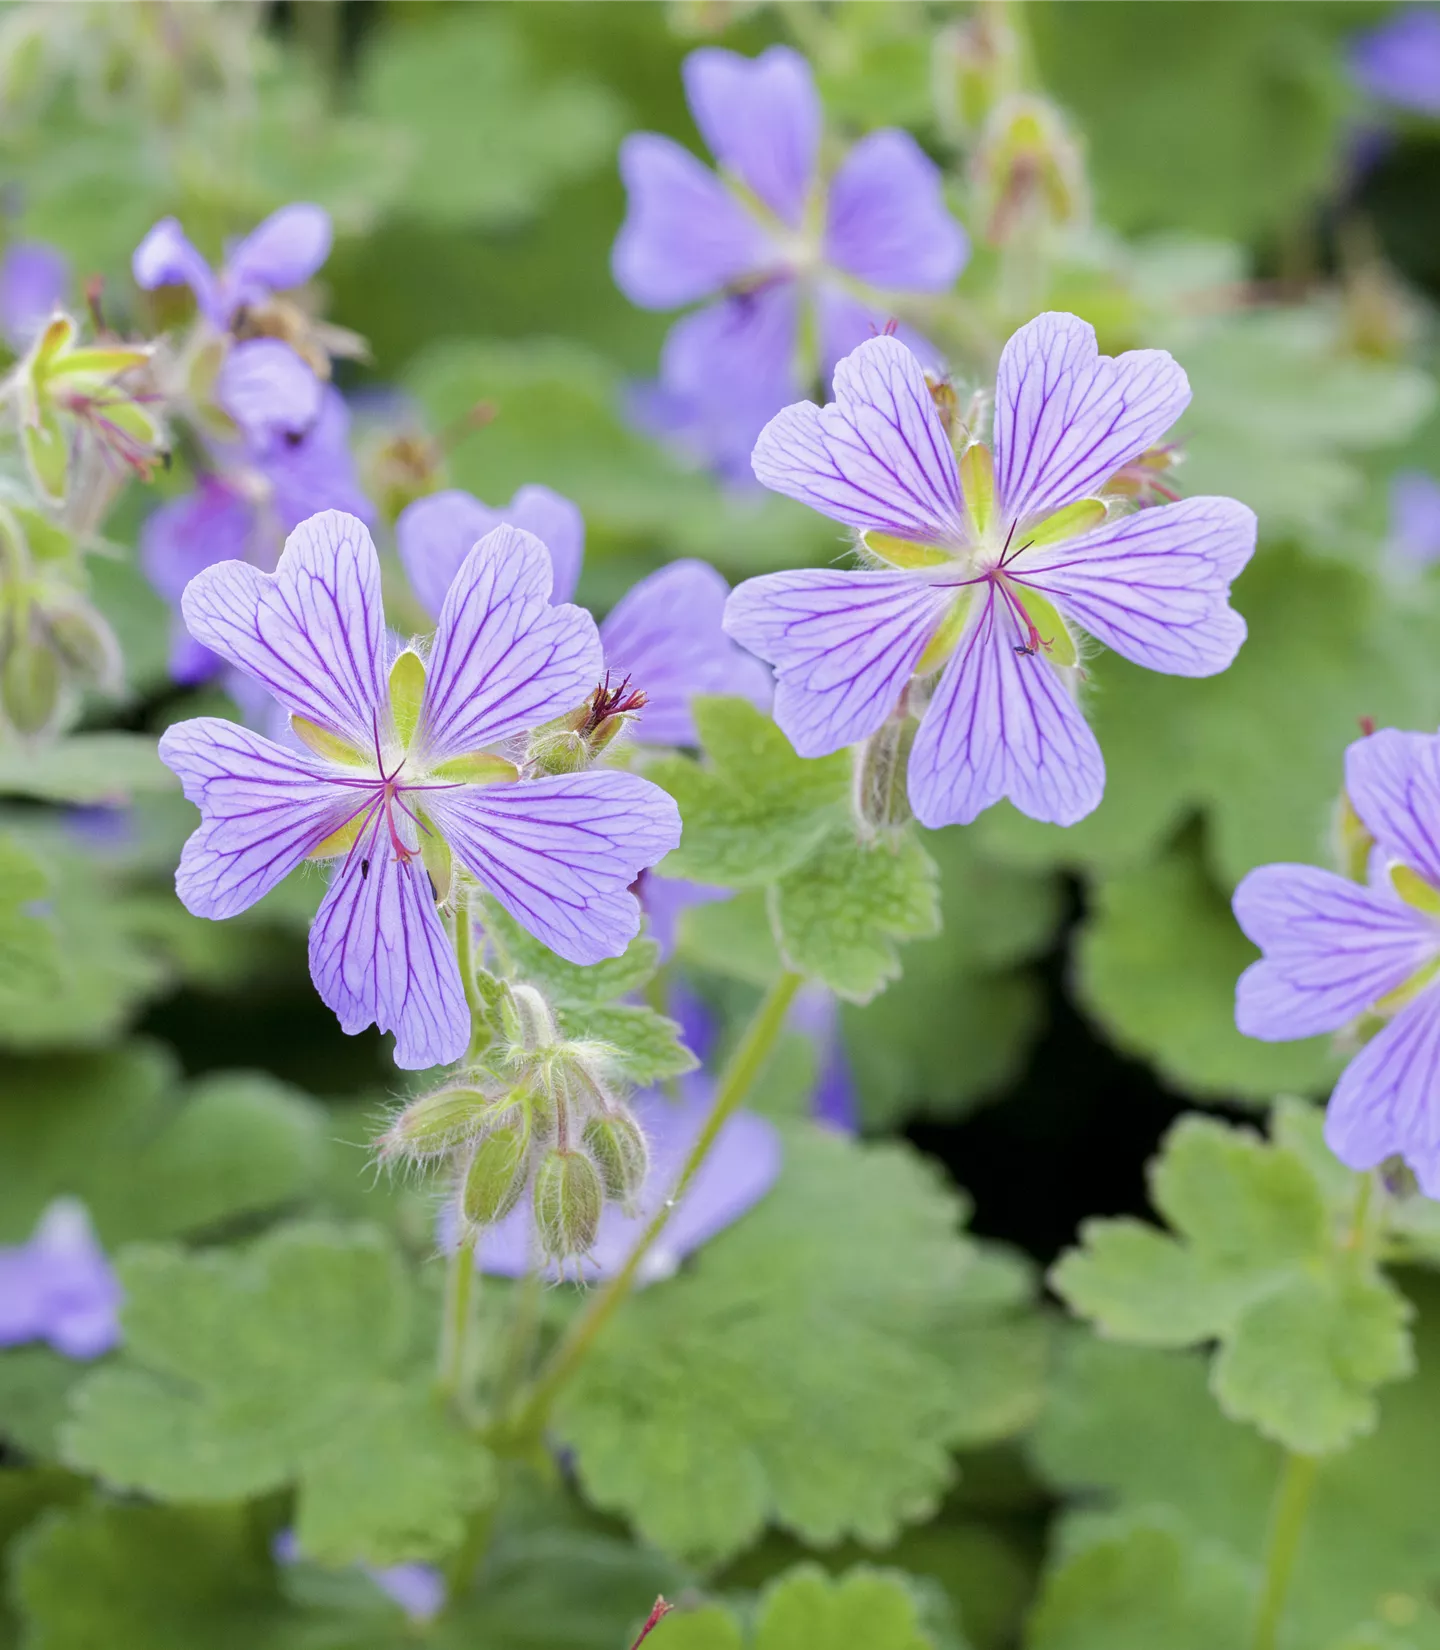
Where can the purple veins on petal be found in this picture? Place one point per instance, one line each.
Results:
(1067, 418)
(886, 220)
(844, 646)
(1393, 782)
(1385, 1101)
(59, 1287)
(34, 279)
(666, 635)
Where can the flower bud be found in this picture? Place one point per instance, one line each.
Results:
(882, 765)
(976, 64)
(1028, 171)
(563, 751)
(87, 645)
(568, 1199)
(571, 743)
(30, 684)
(497, 1173)
(617, 1145)
(437, 1123)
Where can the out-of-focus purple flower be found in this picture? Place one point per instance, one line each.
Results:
(1335, 950)
(977, 565)
(667, 899)
(741, 1167)
(785, 252)
(435, 533)
(419, 1589)
(1399, 62)
(1414, 541)
(834, 1100)
(268, 390)
(380, 775)
(59, 1288)
(34, 279)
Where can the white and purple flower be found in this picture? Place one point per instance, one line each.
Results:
(1336, 950)
(979, 565)
(404, 769)
(788, 253)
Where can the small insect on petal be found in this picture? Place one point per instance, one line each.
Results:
(1056, 642)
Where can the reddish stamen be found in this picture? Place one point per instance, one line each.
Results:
(609, 702)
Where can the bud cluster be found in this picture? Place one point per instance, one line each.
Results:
(573, 742)
(540, 1115)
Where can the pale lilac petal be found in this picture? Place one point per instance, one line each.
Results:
(419, 1589)
(685, 235)
(436, 533)
(1333, 948)
(262, 807)
(1414, 520)
(33, 281)
(1393, 781)
(312, 632)
(379, 956)
(877, 457)
(761, 119)
(265, 386)
(843, 645)
(665, 635)
(1387, 1101)
(59, 1287)
(665, 900)
(1399, 62)
(845, 322)
(212, 524)
(1002, 724)
(283, 251)
(1155, 586)
(560, 853)
(1067, 418)
(503, 659)
(166, 258)
(886, 220)
(315, 471)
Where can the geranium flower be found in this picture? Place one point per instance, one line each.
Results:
(980, 565)
(59, 1287)
(406, 770)
(1336, 950)
(787, 251)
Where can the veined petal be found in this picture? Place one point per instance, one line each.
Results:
(843, 645)
(503, 660)
(1393, 781)
(877, 457)
(1001, 724)
(886, 221)
(262, 809)
(666, 635)
(166, 257)
(283, 251)
(1154, 586)
(317, 472)
(845, 322)
(379, 956)
(1067, 418)
(1333, 948)
(1387, 1101)
(685, 235)
(761, 119)
(560, 853)
(265, 387)
(312, 632)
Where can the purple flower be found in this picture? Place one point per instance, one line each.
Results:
(434, 535)
(1399, 62)
(419, 1589)
(1335, 950)
(978, 565)
(59, 1288)
(405, 756)
(667, 899)
(835, 1100)
(741, 1167)
(785, 251)
(1414, 521)
(33, 282)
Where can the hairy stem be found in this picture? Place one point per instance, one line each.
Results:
(1287, 1524)
(744, 1067)
(455, 1324)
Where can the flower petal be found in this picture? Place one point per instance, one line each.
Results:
(1333, 948)
(33, 281)
(312, 632)
(316, 472)
(262, 809)
(265, 387)
(379, 956)
(843, 645)
(665, 634)
(1393, 780)
(166, 257)
(214, 523)
(845, 322)
(685, 235)
(886, 221)
(1067, 417)
(1414, 519)
(560, 853)
(503, 659)
(1154, 586)
(1002, 724)
(436, 533)
(877, 458)
(665, 900)
(1386, 1100)
(761, 119)
(283, 251)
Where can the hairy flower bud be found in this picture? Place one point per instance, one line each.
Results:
(86, 644)
(562, 751)
(437, 1123)
(976, 64)
(617, 1144)
(30, 683)
(1028, 171)
(572, 742)
(568, 1198)
(882, 765)
(497, 1173)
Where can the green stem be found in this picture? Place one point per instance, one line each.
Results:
(744, 1067)
(465, 959)
(455, 1325)
(1287, 1523)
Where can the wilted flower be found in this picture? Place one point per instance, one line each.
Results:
(59, 1288)
(406, 769)
(979, 565)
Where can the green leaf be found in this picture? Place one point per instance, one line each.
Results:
(732, 937)
(35, 1387)
(567, 984)
(1307, 1325)
(754, 810)
(813, 1367)
(646, 1043)
(806, 1609)
(838, 915)
(103, 768)
(29, 956)
(293, 1363)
